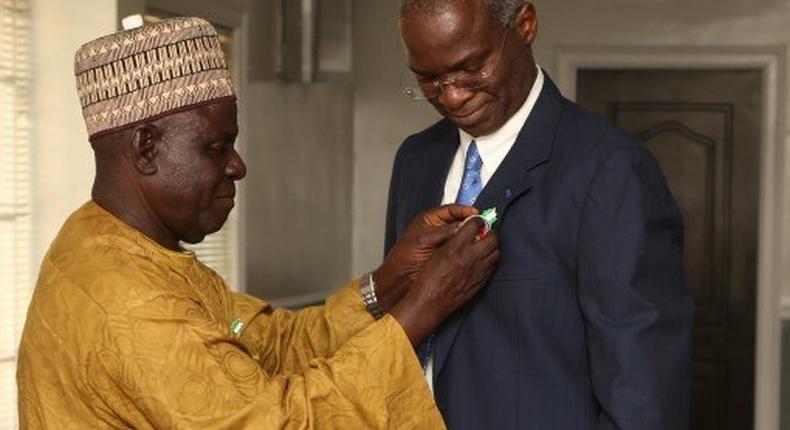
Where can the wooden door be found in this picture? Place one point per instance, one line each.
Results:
(704, 127)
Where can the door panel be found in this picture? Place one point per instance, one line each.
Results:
(703, 126)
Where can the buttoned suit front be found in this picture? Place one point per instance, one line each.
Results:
(586, 322)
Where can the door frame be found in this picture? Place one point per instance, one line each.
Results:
(774, 206)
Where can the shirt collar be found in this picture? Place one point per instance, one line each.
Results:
(505, 135)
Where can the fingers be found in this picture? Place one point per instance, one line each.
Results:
(487, 244)
(485, 264)
(483, 257)
(448, 213)
(436, 236)
(466, 234)
(482, 270)
(488, 263)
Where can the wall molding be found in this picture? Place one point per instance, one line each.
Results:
(774, 198)
(784, 306)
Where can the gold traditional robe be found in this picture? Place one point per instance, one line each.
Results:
(123, 333)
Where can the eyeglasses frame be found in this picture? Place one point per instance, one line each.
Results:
(416, 93)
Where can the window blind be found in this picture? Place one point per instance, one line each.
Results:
(15, 194)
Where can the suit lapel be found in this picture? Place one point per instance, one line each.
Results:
(511, 180)
(437, 160)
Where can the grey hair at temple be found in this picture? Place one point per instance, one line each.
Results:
(503, 11)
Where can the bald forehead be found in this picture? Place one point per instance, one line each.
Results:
(426, 31)
(427, 5)
(432, 7)
(502, 11)
(459, 19)
(491, 9)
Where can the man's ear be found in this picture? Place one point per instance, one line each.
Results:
(527, 23)
(146, 142)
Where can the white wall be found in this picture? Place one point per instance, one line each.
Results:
(62, 159)
(382, 119)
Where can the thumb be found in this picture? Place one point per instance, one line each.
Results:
(448, 213)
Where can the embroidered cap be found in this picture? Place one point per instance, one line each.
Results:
(149, 72)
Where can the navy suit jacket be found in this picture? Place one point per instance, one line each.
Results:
(586, 322)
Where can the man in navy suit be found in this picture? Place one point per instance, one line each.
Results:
(587, 321)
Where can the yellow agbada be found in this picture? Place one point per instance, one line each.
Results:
(123, 333)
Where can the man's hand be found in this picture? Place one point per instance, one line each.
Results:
(457, 271)
(426, 232)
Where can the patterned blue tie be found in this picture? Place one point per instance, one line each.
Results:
(471, 185)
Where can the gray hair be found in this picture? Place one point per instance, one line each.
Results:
(503, 11)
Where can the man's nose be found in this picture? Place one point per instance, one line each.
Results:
(452, 97)
(235, 168)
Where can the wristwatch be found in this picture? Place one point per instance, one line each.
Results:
(368, 290)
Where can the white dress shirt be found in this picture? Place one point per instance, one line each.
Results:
(492, 148)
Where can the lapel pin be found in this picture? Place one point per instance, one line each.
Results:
(508, 193)
(489, 217)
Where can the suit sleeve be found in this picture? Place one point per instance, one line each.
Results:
(637, 308)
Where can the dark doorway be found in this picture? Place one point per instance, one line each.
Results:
(704, 127)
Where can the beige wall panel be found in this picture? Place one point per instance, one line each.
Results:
(62, 158)
(298, 198)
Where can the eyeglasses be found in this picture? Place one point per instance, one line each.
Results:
(469, 81)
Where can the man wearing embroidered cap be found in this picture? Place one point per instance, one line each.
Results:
(128, 330)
